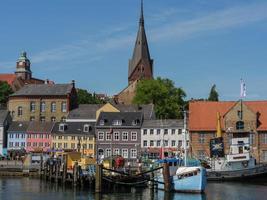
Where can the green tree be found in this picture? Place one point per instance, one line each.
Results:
(214, 96)
(5, 91)
(84, 97)
(168, 99)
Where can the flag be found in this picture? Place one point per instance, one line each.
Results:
(243, 89)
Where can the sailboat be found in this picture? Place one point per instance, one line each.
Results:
(238, 164)
(187, 179)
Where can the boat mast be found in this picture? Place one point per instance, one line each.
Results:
(185, 145)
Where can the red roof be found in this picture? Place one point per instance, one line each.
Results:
(9, 78)
(202, 114)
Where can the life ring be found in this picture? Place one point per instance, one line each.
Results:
(245, 164)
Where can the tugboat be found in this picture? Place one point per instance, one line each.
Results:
(238, 164)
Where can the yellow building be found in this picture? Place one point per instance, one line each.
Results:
(74, 136)
(43, 102)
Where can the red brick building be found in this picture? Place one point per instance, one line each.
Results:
(238, 119)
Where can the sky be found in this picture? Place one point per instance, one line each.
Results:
(195, 43)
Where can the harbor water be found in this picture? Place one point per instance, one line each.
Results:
(34, 189)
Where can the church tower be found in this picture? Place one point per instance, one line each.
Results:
(23, 68)
(141, 65)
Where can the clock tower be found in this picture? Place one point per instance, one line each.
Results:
(23, 68)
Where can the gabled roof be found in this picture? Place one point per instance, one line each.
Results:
(126, 117)
(141, 50)
(85, 111)
(9, 78)
(75, 128)
(18, 127)
(44, 90)
(166, 123)
(40, 127)
(202, 114)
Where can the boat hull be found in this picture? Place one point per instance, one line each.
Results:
(192, 184)
(236, 175)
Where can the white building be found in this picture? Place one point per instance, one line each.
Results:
(5, 120)
(166, 135)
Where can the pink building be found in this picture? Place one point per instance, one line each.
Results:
(39, 136)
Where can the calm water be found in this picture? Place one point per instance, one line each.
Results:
(33, 189)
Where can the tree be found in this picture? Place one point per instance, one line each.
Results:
(214, 96)
(168, 100)
(84, 97)
(5, 91)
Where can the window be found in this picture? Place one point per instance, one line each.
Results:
(135, 122)
(180, 143)
(32, 118)
(17, 135)
(124, 153)
(151, 143)
(166, 143)
(40, 144)
(90, 146)
(60, 137)
(117, 122)
(59, 145)
(72, 145)
(29, 136)
(116, 136)
(86, 128)
(158, 131)
(173, 143)
(32, 106)
(28, 144)
(102, 122)
(180, 131)
(151, 131)
(133, 153)
(116, 151)
(53, 107)
(47, 136)
(42, 107)
(42, 119)
(201, 154)
(19, 111)
(134, 136)
(165, 131)
(173, 131)
(125, 136)
(10, 144)
(23, 144)
(11, 135)
(62, 127)
(35, 144)
(65, 137)
(158, 143)
(46, 144)
(16, 144)
(64, 107)
(22, 135)
(251, 139)
(108, 152)
(264, 138)
(264, 156)
(41, 136)
(53, 119)
(145, 143)
(108, 136)
(239, 125)
(63, 119)
(65, 145)
(100, 136)
(72, 137)
(145, 132)
(201, 138)
(84, 138)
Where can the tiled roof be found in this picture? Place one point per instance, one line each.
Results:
(85, 111)
(18, 127)
(126, 117)
(40, 127)
(202, 114)
(44, 89)
(75, 128)
(9, 78)
(163, 123)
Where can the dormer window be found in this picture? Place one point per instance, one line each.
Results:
(135, 122)
(62, 127)
(86, 128)
(117, 122)
(102, 122)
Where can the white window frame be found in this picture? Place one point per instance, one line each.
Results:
(133, 153)
(108, 152)
(133, 136)
(115, 135)
(108, 136)
(125, 151)
(102, 134)
(42, 106)
(86, 128)
(117, 122)
(64, 106)
(53, 107)
(116, 151)
(123, 135)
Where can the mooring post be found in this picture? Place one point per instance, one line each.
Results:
(98, 178)
(64, 173)
(75, 169)
(41, 166)
(50, 169)
(57, 170)
(166, 177)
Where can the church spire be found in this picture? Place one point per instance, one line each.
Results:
(141, 65)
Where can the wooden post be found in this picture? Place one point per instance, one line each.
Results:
(98, 178)
(41, 166)
(57, 170)
(166, 177)
(50, 170)
(64, 174)
(75, 169)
